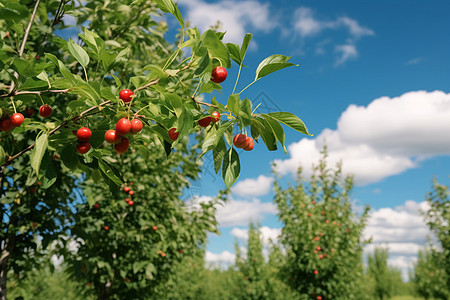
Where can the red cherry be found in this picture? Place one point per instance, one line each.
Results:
(173, 134)
(323, 213)
(29, 112)
(316, 272)
(321, 256)
(123, 126)
(83, 148)
(154, 227)
(131, 193)
(216, 116)
(122, 146)
(319, 298)
(106, 227)
(181, 250)
(204, 122)
(45, 111)
(326, 221)
(240, 140)
(112, 137)
(136, 125)
(250, 144)
(84, 134)
(310, 214)
(316, 238)
(125, 95)
(74, 132)
(218, 74)
(127, 200)
(96, 206)
(318, 248)
(131, 202)
(126, 189)
(16, 119)
(6, 125)
(314, 202)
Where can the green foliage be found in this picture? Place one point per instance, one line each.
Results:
(321, 236)
(385, 279)
(430, 276)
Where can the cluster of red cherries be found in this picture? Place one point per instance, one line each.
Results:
(128, 190)
(15, 120)
(243, 142)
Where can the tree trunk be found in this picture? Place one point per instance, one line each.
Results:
(7, 248)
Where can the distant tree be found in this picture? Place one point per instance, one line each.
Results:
(321, 235)
(385, 279)
(430, 276)
(438, 219)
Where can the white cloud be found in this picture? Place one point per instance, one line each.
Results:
(225, 257)
(385, 138)
(253, 187)
(307, 25)
(402, 230)
(266, 233)
(237, 17)
(414, 61)
(346, 52)
(240, 213)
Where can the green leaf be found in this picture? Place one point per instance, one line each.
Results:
(271, 64)
(235, 53)
(39, 151)
(149, 271)
(212, 139)
(266, 133)
(246, 112)
(204, 61)
(49, 173)
(245, 43)
(276, 129)
(169, 6)
(218, 153)
(13, 10)
(231, 167)
(69, 157)
(79, 53)
(2, 156)
(109, 171)
(216, 48)
(291, 120)
(234, 103)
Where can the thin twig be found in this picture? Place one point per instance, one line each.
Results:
(147, 85)
(203, 103)
(15, 93)
(76, 118)
(25, 37)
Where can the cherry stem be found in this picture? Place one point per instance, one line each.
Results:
(14, 106)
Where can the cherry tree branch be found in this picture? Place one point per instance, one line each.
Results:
(76, 118)
(15, 92)
(203, 103)
(25, 38)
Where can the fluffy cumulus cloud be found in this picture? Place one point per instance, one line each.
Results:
(307, 25)
(236, 17)
(235, 212)
(402, 230)
(224, 258)
(240, 213)
(384, 138)
(253, 187)
(267, 234)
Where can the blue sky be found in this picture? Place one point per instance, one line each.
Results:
(373, 82)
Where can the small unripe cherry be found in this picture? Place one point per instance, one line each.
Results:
(6, 125)
(17, 119)
(112, 137)
(83, 148)
(123, 127)
(204, 122)
(218, 74)
(216, 117)
(240, 140)
(250, 144)
(122, 146)
(45, 111)
(126, 95)
(84, 134)
(173, 134)
(29, 112)
(136, 125)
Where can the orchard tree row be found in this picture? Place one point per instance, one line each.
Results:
(95, 123)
